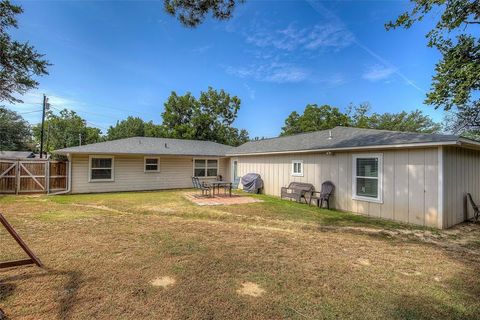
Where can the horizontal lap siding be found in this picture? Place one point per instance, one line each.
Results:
(175, 172)
(410, 183)
(461, 176)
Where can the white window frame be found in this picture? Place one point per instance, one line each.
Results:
(379, 156)
(206, 167)
(145, 164)
(90, 168)
(297, 174)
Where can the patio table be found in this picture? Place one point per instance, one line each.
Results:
(218, 184)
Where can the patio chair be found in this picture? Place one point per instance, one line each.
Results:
(297, 191)
(476, 211)
(322, 195)
(202, 186)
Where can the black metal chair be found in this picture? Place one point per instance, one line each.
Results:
(476, 211)
(323, 195)
(202, 186)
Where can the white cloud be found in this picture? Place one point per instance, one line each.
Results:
(292, 38)
(378, 72)
(270, 72)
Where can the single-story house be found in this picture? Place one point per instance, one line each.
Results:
(408, 177)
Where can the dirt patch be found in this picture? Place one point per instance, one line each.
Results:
(250, 289)
(220, 199)
(163, 282)
(100, 207)
(364, 262)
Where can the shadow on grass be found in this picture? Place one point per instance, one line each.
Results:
(66, 295)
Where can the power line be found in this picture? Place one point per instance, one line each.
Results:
(28, 112)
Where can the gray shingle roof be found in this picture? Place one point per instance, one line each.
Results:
(342, 137)
(17, 154)
(152, 146)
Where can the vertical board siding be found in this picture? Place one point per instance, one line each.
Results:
(410, 181)
(461, 176)
(129, 175)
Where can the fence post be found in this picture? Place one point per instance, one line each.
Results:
(17, 180)
(47, 176)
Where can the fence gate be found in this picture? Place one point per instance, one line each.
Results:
(8, 176)
(32, 176)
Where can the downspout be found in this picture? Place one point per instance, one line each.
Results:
(69, 179)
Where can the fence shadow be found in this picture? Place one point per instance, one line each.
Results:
(66, 294)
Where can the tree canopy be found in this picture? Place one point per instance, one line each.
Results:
(210, 117)
(65, 130)
(15, 134)
(19, 62)
(192, 13)
(456, 82)
(133, 127)
(316, 118)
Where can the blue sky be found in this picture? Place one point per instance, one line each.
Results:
(114, 59)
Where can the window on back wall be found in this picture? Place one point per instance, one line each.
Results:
(367, 177)
(101, 168)
(152, 164)
(297, 168)
(205, 168)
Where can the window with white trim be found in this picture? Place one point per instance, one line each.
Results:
(297, 168)
(152, 164)
(205, 167)
(101, 168)
(367, 177)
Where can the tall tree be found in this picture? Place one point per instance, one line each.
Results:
(326, 117)
(414, 121)
(192, 13)
(19, 62)
(456, 82)
(15, 134)
(133, 127)
(314, 118)
(66, 130)
(210, 117)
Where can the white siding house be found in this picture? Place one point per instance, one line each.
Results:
(408, 177)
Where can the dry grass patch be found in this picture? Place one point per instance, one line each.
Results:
(309, 262)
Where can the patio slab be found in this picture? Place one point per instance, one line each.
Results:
(220, 199)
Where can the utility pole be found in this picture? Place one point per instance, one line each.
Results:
(43, 124)
(79, 139)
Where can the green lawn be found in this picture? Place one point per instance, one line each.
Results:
(107, 256)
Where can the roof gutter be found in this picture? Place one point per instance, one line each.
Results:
(392, 146)
(140, 154)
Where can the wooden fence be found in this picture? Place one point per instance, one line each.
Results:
(33, 176)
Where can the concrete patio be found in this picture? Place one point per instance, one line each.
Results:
(219, 199)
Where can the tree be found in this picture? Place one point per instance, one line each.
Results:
(192, 13)
(133, 127)
(64, 130)
(414, 121)
(314, 118)
(210, 117)
(15, 134)
(456, 82)
(19, 62)
(326, 117)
